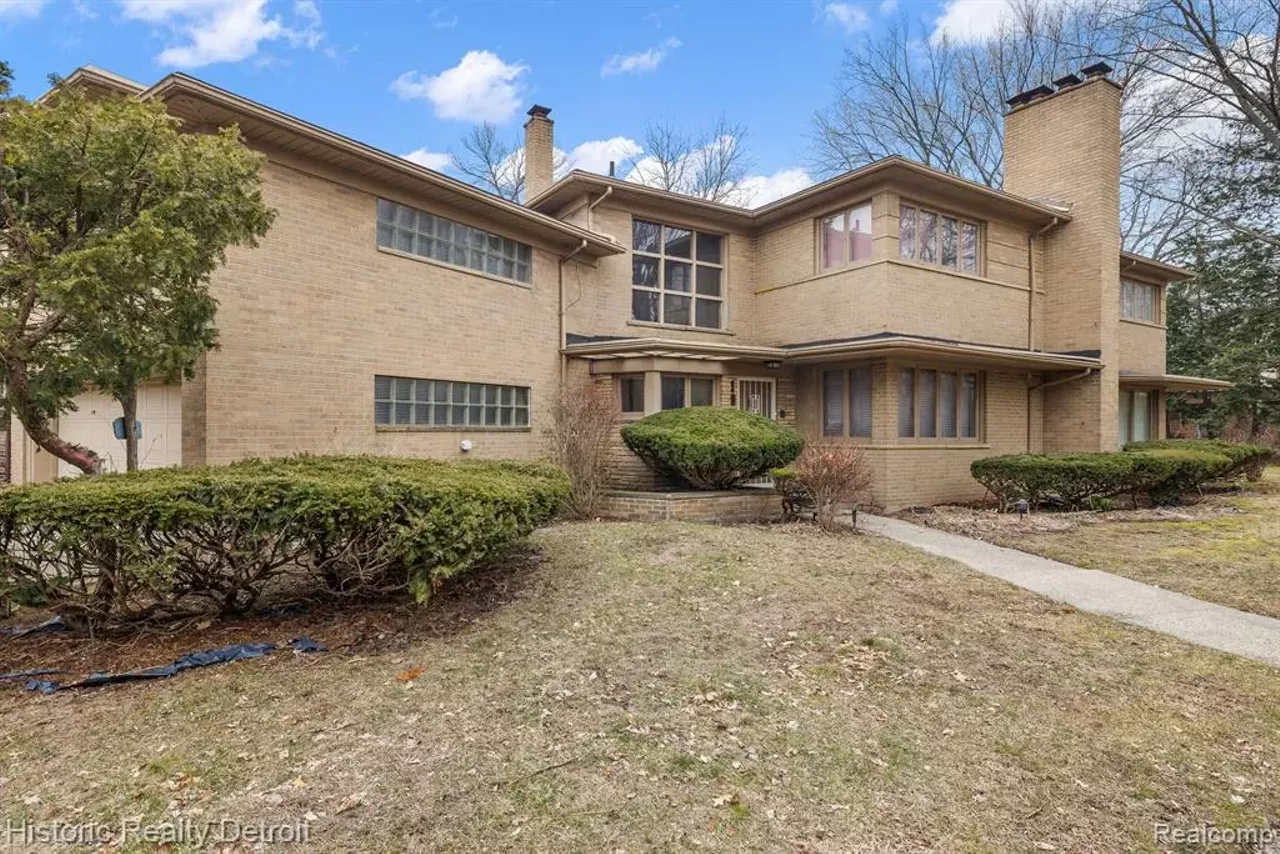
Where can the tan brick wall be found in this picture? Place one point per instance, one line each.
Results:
(1142, 347)
(748, 505)
(1081, 259)
(308, 318)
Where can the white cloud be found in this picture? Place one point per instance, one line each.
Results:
(968, 21)
(480, 88)
(639, 63)
(20, 8)
(852, 17)
(224, 30)
(595, 155)
(888, 7)
(430, 159)
(757, 190)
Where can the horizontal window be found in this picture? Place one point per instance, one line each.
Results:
(677, 276)
(417, 232)
(679, 392)
(403, 402)
(935, 238)
(846, 237)
(939, 404)
(846, 402)
(1140, 301)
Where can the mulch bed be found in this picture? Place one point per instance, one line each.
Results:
(350, 628)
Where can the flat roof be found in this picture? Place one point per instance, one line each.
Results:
(1174, 382)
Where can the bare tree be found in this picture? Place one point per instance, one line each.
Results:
(942, 103)
(711, 165)
(491, 162)
(1224, 55)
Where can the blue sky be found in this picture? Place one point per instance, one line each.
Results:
(414, 75)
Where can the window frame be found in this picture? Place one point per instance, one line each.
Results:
(662, 292)
(848, 401)
(1157, 301)
(938, 371)
(622, 380)
(845, 262)
(478, 243)
(1153, 415)
(687, 392)
(940, 218)
(450, 396)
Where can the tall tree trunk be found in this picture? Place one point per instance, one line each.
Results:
(129, 403)
(37, 425)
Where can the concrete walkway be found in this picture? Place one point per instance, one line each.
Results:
(1199, 622)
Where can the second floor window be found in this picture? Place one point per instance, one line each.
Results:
(846, 237)
(416, 232)
(677, 276)
(936, 238)
(1139, 301)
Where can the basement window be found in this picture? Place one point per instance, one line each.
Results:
(405, 402)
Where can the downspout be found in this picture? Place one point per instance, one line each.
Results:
(608, 191)
(1031, 307)
(1031, 282)
(1087, 372)
(564, 360)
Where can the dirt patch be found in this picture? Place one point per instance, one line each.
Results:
(988, 524)
(353, 628)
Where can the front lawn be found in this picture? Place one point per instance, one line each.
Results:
(674, 686)
(1224, 549)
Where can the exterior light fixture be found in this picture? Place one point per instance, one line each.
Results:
(773, 364)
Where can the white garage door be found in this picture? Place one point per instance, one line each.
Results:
(159, 410)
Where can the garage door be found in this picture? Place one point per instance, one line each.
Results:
(159, 410)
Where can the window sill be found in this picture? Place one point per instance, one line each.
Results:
(411, 428)
(650, 325)
(467, 271)
(1147, 323)
(934, 445)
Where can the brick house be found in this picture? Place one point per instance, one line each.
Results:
(395, 310)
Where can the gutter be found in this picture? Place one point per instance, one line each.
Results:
(1087, 372)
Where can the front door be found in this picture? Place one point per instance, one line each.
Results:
(757, 397)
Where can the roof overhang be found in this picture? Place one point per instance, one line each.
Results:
(828, 351)
(1174, 382)
(958, 351)
(97, 82)
(894, 170)
(1150, 268)
(202, 103)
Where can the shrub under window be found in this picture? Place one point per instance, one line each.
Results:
(711, 447)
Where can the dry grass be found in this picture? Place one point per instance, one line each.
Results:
(1225, 549)
(660, 687)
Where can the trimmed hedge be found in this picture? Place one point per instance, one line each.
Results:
(1161, 471)
(122, 546)
(711, 447)
(1247, 460)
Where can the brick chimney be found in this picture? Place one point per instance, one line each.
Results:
(1063, 147)
(539, 143)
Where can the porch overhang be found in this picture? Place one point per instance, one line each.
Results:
(869, 346)
(895, 344)
(595, 348)
(1173, 382)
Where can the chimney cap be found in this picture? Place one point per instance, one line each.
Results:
(538, 111)
(1029, 96)
(1068, 80)
(1098, 69)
